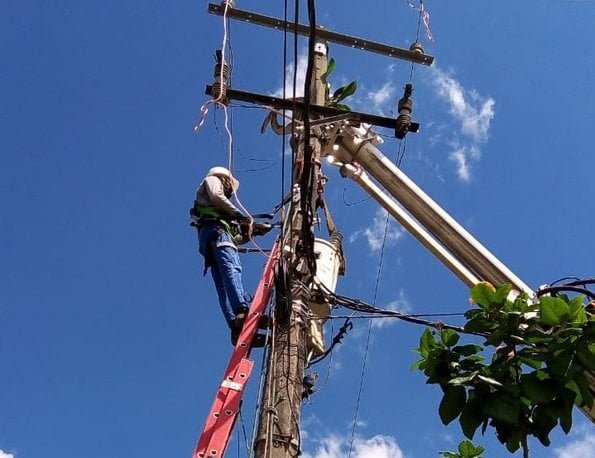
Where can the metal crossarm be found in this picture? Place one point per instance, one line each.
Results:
(289, 104)
(224, 411)
(323, 34)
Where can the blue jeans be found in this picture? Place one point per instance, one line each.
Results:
(221, 255)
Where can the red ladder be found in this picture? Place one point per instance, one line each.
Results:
(217, 431)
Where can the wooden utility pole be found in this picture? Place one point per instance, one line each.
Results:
(279, 422)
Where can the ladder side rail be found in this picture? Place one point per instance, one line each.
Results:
(223, 413)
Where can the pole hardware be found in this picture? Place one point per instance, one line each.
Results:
(416, 47)
(405, 107)
(221, 74)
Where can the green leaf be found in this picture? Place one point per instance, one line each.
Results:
(585, 389)
(496, 337)
(502, 293)
(503, 407)
(470, 419)
(480, 324)
(426, 343)
(452, 403)
(577, 310)
(449, 337)
(467, 350)
(350, 89)
(513, 442)
(538, 391)
(566, 406)
(330, 66)
(483, 294)
(450, 455)
(545, 418)
(553, 311)
(586, 357)
(468, 450)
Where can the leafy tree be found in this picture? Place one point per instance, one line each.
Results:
(526, 377)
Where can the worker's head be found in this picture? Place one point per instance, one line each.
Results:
(230, 183)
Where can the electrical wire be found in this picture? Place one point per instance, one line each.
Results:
(367, 347)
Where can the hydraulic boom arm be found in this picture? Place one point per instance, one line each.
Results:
(355, 153)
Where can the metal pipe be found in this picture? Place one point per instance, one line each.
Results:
(421, 234)
(429, 214)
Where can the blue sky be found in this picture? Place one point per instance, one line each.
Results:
(111, 342)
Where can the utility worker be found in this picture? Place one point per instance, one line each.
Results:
(217, 220)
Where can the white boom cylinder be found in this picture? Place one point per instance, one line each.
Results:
(409, 223)
(430, 215)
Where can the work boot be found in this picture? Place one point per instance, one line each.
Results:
(234, 337)
(238, 321)
(259, 341)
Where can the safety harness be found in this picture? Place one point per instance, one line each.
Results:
(201, 215)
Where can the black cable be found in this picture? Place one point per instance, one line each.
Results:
(353, 204)
(562, 279)
(343, 330)
(283, 139)
(559, 289)
(361, 306)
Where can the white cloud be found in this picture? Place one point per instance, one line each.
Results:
(302, 65)
(374, 234)
(380, 96)
(583, 447)
(6, 455)
(473, 114)
(400, 304)
(461, 155)
(378, 446)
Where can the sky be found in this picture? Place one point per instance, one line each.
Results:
(111, 341)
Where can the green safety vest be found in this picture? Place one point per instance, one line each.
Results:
(201, 211)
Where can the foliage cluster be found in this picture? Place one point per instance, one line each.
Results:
(528, 374)
(341, 93)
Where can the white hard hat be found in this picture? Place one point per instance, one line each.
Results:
(223, 172)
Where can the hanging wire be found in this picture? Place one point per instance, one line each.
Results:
(363, 371)
(416, 40)
(353, 204)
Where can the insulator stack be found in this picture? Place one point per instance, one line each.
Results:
(221, 75)
(405, 107)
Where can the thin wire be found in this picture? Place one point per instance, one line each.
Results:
(329, 365)
(416, 41)
(363, 371)
(244, 434)
(353, 204)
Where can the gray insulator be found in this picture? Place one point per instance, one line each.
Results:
(417, 48)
